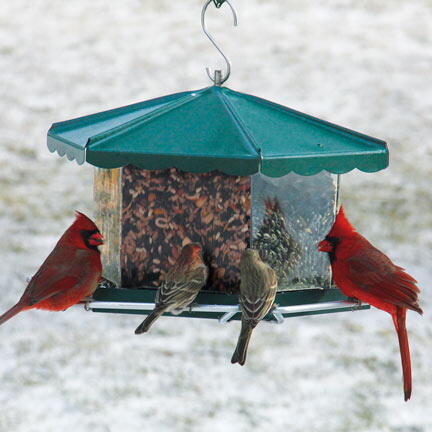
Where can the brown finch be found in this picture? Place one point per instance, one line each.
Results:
(181, 285)
(257, 294)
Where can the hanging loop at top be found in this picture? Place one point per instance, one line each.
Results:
(217, 77)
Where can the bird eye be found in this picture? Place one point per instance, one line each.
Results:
(334, 241)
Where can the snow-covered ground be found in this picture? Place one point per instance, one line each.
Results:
(363, 64)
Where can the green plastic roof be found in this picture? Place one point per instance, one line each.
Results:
(216, 128)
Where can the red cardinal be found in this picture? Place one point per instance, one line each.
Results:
(360, 270)
(70, 273)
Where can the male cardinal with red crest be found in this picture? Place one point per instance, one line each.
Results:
(70, 273)
(360, 270)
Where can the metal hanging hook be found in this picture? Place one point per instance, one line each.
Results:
(217, 76)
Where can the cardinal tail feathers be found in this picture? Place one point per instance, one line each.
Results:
(404, 350)
(147, 323)
(11, 313)
(240, 352)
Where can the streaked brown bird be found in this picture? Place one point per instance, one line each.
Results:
(257, 294)
(181, 285)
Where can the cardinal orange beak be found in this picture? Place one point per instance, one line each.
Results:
(324, 246)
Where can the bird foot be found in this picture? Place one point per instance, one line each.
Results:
(355, 300)
(192, 305)
(87, 301)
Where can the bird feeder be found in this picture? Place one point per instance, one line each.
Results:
(227, 170)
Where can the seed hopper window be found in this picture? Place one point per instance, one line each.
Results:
(227, 170)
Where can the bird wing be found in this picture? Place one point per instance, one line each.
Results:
(63, 269)
(256, 308)
(182, 290)
(272, 278)
(374, 272)
(256, 303)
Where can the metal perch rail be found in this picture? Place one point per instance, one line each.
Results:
(229, 311)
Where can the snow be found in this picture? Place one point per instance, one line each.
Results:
(362, 64)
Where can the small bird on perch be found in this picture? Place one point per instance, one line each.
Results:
(360, 270)
(70, 273)
(181, 285)
(258, 287)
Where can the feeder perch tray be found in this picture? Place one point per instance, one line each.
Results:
(224, 307)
